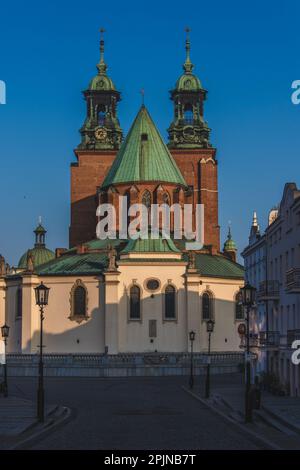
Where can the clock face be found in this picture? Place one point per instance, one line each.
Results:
(188, 133)
(100, 133)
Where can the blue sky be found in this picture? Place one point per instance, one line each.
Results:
(246, 55)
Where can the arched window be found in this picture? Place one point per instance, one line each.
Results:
(170, 306)
(19, 299)
(135, 303)
(207, 313)
(239, 309)
(146, 199)
(166, 199)
(78, 301)
(188, 114)
(101, 115)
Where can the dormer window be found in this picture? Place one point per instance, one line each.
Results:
(144, 137)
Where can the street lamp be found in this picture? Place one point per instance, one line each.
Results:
(5, 334)
(41, 299)
(209, 328)
(248, 299)
(192, 335)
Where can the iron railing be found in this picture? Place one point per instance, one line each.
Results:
(293, 280)
(268, 290)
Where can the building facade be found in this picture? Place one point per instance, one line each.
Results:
(132, 296)
(276, 274)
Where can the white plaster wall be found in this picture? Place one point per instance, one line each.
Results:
(61, 335)
(15, 324)
(225, 336)
(173, 336)
(134, 335)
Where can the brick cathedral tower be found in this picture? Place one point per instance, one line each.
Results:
(190, 147)
(101, 137)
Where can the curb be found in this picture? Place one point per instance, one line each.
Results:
(281, 420)
(66, 416)
(254, 437)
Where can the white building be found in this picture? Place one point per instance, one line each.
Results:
(276, 273)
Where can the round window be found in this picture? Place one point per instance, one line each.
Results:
(152, 284)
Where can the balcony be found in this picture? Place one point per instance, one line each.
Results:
(268, 290)
(292, 335)
(269, 339)
(293, 281)
(253, 341)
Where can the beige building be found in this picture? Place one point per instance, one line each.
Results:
(146, 300)
(126, 296)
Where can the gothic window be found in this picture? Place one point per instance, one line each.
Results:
(239, 310)
(188, 114)
(166, 199)
(170, 303)
(19, 297)
(135, 303)
(207, 313)
(146, 199)
(78, 301)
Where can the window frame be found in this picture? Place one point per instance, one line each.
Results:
(211, 305)
(175, 318)
(236, 319)
(19, 303)
(74, 316)
(129, 317)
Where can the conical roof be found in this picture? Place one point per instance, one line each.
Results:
(143, 156)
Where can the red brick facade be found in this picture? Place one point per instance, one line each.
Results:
(199, 168)
(86, 176)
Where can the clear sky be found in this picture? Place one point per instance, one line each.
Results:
(246, 55)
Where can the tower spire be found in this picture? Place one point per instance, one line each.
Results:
(188, 66)
(229, 236)
(254, 220)
(101, 66)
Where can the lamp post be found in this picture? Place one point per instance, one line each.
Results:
(248, 298)
(5, 334)
(41, 298)
(192, 335)
(209, 328)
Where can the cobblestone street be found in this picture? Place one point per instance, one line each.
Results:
(132, 413)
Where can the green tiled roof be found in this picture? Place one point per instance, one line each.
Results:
(74, 264)
(217, 266)
(143, 156)
(94, 263)
(150, 245)
(40, 256)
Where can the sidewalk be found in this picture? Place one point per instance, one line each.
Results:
(18, 420)
(285, 409)
(278, 419)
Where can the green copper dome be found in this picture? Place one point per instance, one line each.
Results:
(40, 254)
(188, 82)
(230, 245)
(101, 81)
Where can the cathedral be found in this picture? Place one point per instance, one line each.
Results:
(131, 295)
